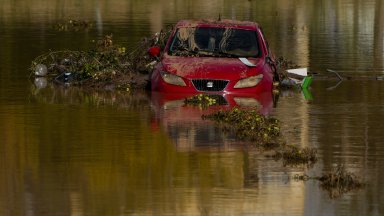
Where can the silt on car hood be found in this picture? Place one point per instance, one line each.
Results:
(209, 67)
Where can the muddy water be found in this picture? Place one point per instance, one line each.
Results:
(65, 151)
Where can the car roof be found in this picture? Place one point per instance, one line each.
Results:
(224, 23)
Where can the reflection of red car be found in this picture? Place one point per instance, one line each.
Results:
(263, 102)
(188, 131)
(214, 56)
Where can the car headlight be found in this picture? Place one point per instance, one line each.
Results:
(172, 79)
(249, 81)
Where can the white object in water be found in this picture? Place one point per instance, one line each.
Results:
(41, 70)
(40, 82)
(247, 62)
(299, 71)
(305, 81)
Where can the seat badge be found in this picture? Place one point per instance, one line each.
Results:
(209, 84)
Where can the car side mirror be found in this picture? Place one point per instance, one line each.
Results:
(154, 51)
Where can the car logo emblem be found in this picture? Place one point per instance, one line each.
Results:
(209, 84)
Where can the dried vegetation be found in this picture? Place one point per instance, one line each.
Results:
(264, 132)
(293, 155)
(202, 100)
(106, 66)
(248, 125)
(337, 182)
(72, 25)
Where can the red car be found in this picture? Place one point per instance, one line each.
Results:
(225, 56)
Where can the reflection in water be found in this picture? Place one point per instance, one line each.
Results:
(189, 131)
(76, 205)
(379, 37)
(99, 20)
(106, 154)
(108, 160)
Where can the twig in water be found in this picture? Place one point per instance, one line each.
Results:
(337, 74)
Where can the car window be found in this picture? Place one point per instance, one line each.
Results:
(208, 38)
(222, 42)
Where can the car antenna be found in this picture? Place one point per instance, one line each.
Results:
(219, 17)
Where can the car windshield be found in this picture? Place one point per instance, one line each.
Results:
(218, 42)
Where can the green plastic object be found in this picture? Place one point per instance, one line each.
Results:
(306, 82)
(307, 94)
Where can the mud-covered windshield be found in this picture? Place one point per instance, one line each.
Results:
(219, 42)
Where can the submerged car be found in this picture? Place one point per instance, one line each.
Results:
(211, 56)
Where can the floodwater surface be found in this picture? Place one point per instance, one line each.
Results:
(66, 151)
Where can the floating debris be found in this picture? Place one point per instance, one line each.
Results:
(300, 77)
(138, 56)
(337, 182)
(283, 65)
(293, 155)
(41, 70)
(202, 100)
(72, 25)
(336, 73)
(248, 125)
(265, 132)
(106, 65)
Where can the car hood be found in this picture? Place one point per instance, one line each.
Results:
(210, 67)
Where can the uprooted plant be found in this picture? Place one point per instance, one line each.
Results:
(104, 65)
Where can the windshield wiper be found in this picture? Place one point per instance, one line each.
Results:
(226, 54)
(182, 51)
(216, 53)
(202, 52)
(206, 53)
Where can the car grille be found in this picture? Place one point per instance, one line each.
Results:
(209, 85)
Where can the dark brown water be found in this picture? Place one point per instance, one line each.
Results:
(64, 151)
